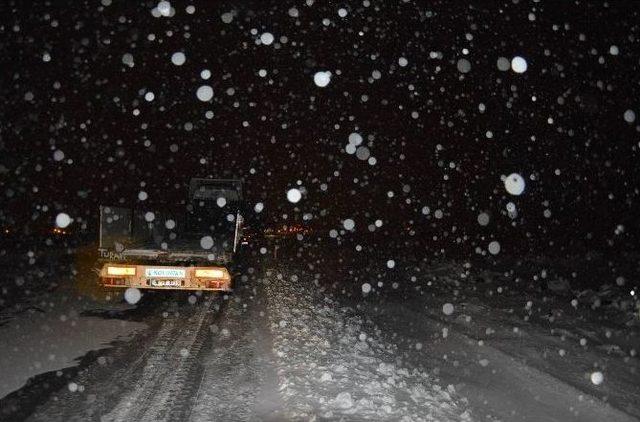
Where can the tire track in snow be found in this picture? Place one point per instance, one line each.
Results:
(162, 391)
(239, 382)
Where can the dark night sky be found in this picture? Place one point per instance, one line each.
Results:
(422, 122)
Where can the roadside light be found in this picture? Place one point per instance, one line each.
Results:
(210, 273)
(121, 270)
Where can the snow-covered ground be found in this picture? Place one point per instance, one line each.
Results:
(52, 332)
(284, 351)
(448, 342)
(331, 365)
(515, 354)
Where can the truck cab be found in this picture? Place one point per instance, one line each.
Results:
(188, 247)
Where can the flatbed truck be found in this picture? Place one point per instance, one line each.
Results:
(189, 247)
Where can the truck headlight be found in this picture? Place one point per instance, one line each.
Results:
(210, 273)
(121, 270)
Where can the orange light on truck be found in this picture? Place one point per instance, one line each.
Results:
(121, 270)
(210, 273)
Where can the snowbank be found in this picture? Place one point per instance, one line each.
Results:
(331, 365)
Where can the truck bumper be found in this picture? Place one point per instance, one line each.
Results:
(161, 277)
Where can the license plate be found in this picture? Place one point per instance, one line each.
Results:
(165, 283)
(165, 272)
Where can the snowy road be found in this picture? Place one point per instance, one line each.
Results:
(497, 384)
(287, 347)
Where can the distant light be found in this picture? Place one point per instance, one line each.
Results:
(447, 309)
(366, 288)
(294, 195)
(518, 64)
(322, 79)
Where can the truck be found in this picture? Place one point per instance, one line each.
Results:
(185, 247)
